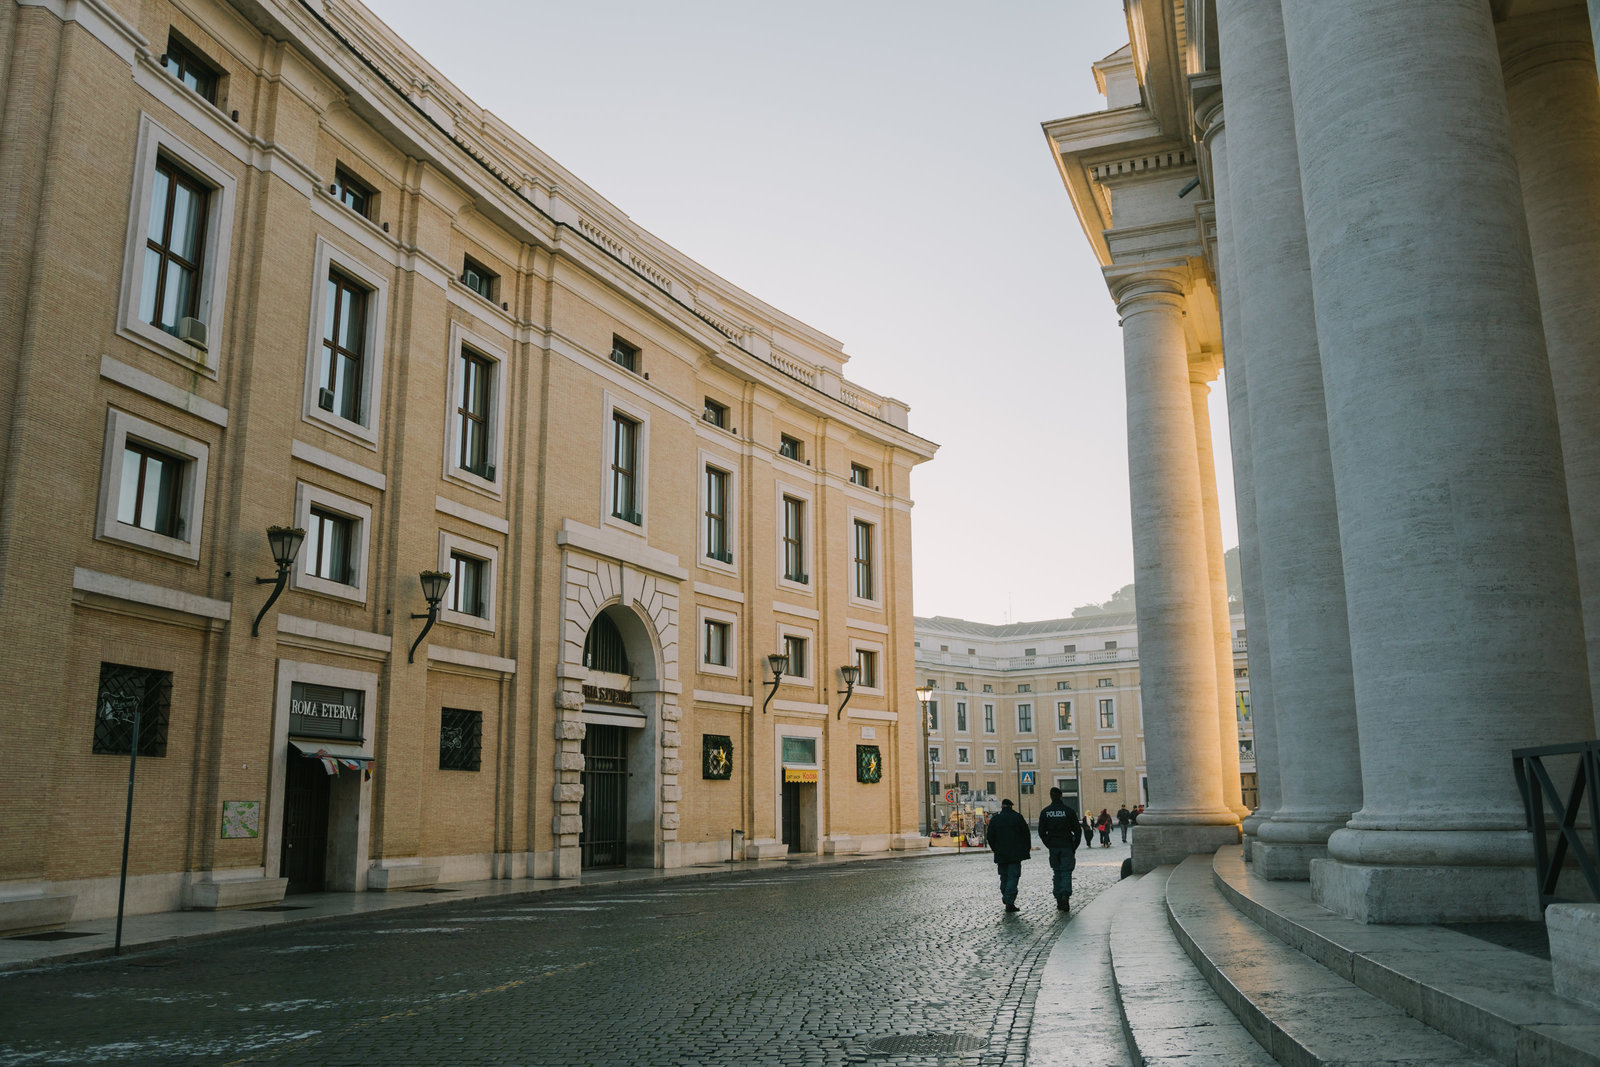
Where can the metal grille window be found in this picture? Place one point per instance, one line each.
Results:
(1110, 785)
(1108, 715)
(460, 739)
(152, 484)
(330, 539)
(467, 585)
(603, 649)
(174, 248)
(124, 690)
(794, 546)
(344, 342)
(625, 469)
(472, 413)
(717, 515)
(182, 62)
(863, 559)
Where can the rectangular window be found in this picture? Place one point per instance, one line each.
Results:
(962, 686)
(1063, 715)
(152, 488)
(1068, 786)
(933, 755)
(867, 662)
(1063, 685)
(1111, 646)
(963, 754)
(344, 341)
(352, 192)
(961, 715)
(1025, 687)
(174, 249)
(1030, 652)
(1024, 755)
(460, 739)
(330, 546)
(933, 714)
(478, 278)
(624, 355)
(1108, 753)
(789, 447)
(468, 576)
(933, 683)
(1069, 649)
(991, 756)
(1241, 700)
(988, 718)
(625, 469)
(1064, 754)
(863, 559)
(989, 787)
(715, 640)
(1024, 718)
(1110, 785)
(794, 546)
(716, 414)
(717, 546)
(987, 688)
(795, 648)
(1108, 715)
(125, 690)
(1103, 683)
(860, 475)
(473, 396)
(183, 63)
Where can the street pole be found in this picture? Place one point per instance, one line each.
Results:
(1018, 757)
(127, 828)
(924, 695)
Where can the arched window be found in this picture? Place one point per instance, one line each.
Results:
(603, 649)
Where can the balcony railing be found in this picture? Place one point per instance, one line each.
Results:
(1573, 820)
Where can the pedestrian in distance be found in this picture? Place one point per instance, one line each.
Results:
(1088, 830)
(1011, 842)
(1103, 824)
(1059, 832)
(1124, 820)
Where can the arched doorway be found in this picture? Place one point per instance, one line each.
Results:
(618, 810)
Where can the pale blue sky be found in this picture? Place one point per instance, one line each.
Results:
(876, 169)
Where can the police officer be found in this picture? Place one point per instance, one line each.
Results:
(1059, 830)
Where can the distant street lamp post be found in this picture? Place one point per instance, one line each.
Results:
(924, 695)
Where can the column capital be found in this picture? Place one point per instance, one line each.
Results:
(1146, 286)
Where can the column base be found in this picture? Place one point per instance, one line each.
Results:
(1279, 861)
(1156, 846)
(1574, 931)
(1372, 894)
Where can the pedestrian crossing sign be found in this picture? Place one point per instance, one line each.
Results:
(1027, 777)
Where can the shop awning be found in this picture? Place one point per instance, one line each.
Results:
(336, 755)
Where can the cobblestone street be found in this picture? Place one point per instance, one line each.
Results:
(803, 965)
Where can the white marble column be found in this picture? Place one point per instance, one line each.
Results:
(1235, 377)
(1216, 572)
(1554, 103)
(1177, 663)
(1297, 524)
(1460, 580)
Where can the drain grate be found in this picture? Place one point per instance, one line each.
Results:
(51, 935)
(929, 1044)
(429, 890)
(284, 907)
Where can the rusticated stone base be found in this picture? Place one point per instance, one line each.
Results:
(1443, 894)
(1159, 845)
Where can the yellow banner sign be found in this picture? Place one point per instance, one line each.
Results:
(799, 774)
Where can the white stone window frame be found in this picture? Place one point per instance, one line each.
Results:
(730, 467)
(1063, 753)
(1025, 755)
(704, 615)
(637, 412)
(808, 537)
(120, 425)
(500, 360)
(989, 726)
(330, 257)
(935, 756)
(1102, 706)
(810, 637)
(154, 141)
(1108, 753)
(1033, 722)
(991, 757)
(877, 648)
(963, 712)
(875, 599)
(963, 755)
(1070, 714)
(307, 496)
(450, 543)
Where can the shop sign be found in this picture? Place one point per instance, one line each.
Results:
(325, 711)
(800, 774)
(599, 694)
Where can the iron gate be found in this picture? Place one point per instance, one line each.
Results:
(604, 840)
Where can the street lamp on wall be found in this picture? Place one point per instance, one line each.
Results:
(285, 542)
(849, 676)
(924, 695)
(433, 587)
(777, 663)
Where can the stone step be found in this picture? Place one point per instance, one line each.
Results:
(1301, 1011)
(1498, 1001)
(1075, 1021)
(1169, 1013)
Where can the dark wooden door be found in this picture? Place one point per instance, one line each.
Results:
(604, 838)
(304, 859)
(791, 815)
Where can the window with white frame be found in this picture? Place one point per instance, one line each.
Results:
(469, 600)
(717, 637)
(345, 349)
(794, 540)
(1024, 687)
(180, 235)
(797, 647)
(152, 486)
(1104, 683)
(715, 641)
(988, 718)
(862, 565)
(961, 686)
(1024, 718)
(1063, 753)
(860, 475)
(715, 503)
(476, 417)
(867, 668)
(991, 756)
(1108, 753)
(625, 469)
(933, 714)
(963, 754)
(1063, 684)
(961, 716)
(333, 557)
(934, 755)
(1108, 714)
(791, 448)
(1024, 755)
(1110, 785)
(1063, 715)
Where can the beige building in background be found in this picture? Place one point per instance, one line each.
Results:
(264, 266)
(1057, 699)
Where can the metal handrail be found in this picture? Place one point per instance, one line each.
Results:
(1583, 842)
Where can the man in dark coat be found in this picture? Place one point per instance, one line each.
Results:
(1011, 842)
(1058, 830)
(1124, 820)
